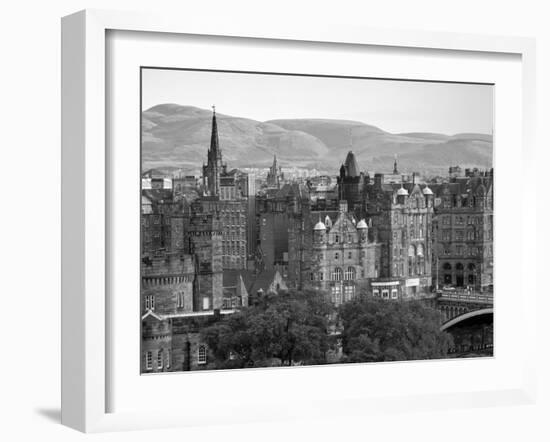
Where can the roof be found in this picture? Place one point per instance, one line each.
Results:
(319, 226)
(263, 281)
(352, 168)
(361, 224)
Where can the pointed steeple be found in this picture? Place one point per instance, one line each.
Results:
(214, 167)
(215, 151)
(395, 171)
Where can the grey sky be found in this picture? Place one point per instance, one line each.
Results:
(394, 106)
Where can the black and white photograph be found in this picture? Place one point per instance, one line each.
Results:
(294, 220)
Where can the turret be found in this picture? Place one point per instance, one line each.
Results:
(402, 194)
(319, 232)
(362, 229)
(428, 194)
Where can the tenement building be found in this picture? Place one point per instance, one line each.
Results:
(343, 259)
(463, 230)
(401, 216)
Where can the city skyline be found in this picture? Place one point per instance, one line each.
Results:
(242, 270)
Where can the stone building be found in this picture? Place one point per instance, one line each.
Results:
(343, 259)
(173, 343)
(463, 230)
(401, 216)
(205, 244)
(226, 197)
(167, 284)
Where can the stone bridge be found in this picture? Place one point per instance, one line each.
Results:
(454, 304)
(468, 316)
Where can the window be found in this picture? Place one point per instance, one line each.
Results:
(349, 292)
(321, 276)
(393, 293)
(336, 274)
(336, 239)
(349, 275)
(420, 250)
(376, 293)
(159, 360)
(180, 299)
(336, 255)
(336, 292)
(202, 354)
(350, 255)
(385, 294)
(205, 303)
(150, 302)
(149, 360)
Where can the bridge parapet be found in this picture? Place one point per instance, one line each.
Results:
(465, 296)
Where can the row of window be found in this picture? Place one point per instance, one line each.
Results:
(338, 238)
(385, 293)
(459, 266)
(162, 361)
(412, 219)
(469, 251)
(350, 255)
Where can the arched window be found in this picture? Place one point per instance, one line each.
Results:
(459, 266)
(336, 274)
(420, 250)
(447, 266)
(412, 251)
(350, 274)
(202, 354)
(471, 267)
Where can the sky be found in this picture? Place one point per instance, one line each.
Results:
(395, 106)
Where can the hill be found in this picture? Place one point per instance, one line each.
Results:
(179, 136)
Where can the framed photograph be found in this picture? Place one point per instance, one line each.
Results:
(290, 223)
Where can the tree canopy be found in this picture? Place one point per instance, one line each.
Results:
(280, 329)
(376, 330)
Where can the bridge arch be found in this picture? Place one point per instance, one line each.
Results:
(464, 316)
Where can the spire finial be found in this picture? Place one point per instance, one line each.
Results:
(214, 109)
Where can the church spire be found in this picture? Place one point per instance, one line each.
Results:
(395, 171)
(213, 168)
(215, 151)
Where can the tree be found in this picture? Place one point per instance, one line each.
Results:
(376, 330)
(281, 329)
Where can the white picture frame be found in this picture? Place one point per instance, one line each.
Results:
(85, 198)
